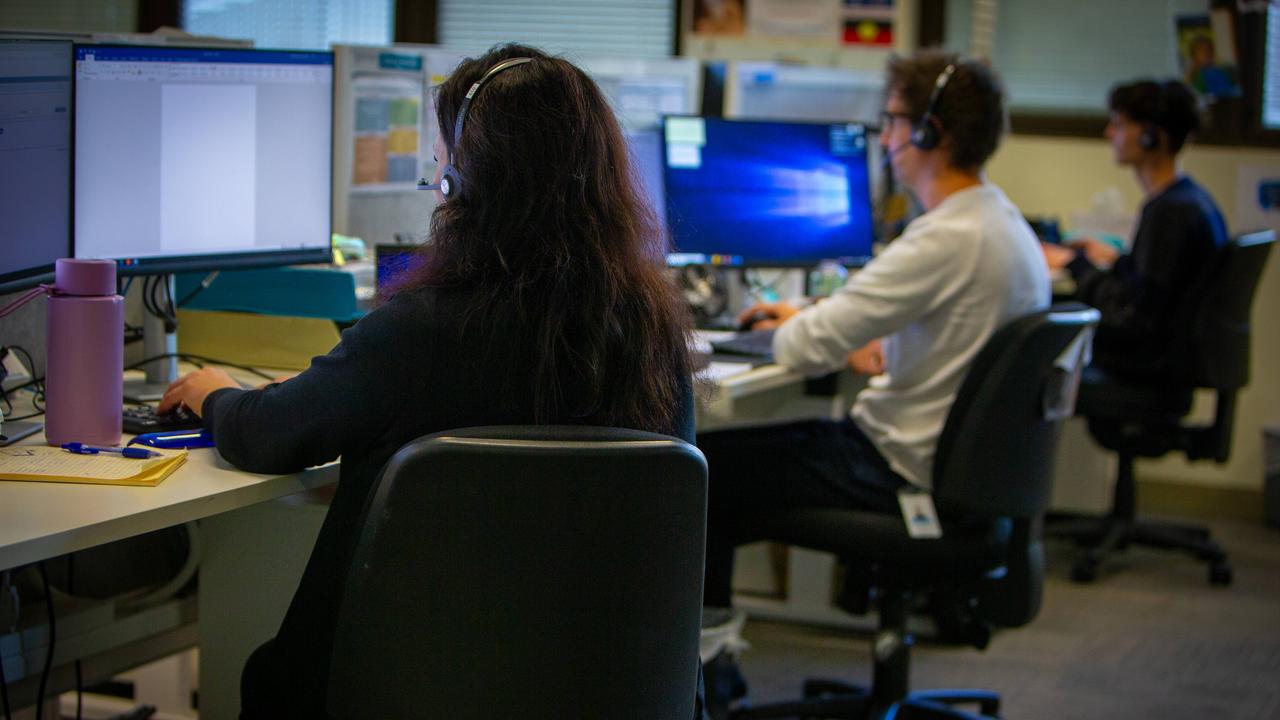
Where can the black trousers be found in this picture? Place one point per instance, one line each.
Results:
(755, 474)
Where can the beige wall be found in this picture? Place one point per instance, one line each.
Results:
(1057, 176)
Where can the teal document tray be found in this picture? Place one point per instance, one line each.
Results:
(314, 292)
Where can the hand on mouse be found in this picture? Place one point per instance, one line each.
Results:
(191, 389)
(766, 316)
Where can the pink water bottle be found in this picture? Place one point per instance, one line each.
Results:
(84, 384)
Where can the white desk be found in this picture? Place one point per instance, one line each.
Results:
(254, 550)
(39, 521)
(43, 520)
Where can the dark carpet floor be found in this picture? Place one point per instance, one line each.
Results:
(1150, 639)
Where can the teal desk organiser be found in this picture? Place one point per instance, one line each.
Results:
(313, 292)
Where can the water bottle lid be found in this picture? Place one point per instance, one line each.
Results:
(84, 277)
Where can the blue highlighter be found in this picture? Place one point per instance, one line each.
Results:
(171, 439)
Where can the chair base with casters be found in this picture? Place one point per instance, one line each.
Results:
(1136, 420)
(888, 695)
(921, 570)
(991, 483)
(1146, 417)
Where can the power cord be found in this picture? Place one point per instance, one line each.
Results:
(71, 590)
(157, 301)
(53, 633)
(10, 596)
(204, 285)
(198, 361)
(760, 288)
(37, 383)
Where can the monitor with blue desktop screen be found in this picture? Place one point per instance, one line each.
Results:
(202, 158)
(35, 160)
(767, 193)
(393, 261)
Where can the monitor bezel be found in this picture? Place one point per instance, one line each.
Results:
(165, 264)
(29, 277)
(854, 262)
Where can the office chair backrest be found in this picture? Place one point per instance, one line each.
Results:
(995, 454)
(1218, 343)
(532, 572)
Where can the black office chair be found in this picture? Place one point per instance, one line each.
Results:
(991, 484)
(531, 572)
(1148, 419)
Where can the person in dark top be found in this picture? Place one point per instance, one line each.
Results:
(541, 298)
(1179, 231)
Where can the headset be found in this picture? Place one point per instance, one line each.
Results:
(924, 134)
(1149, 138)
(450, 184)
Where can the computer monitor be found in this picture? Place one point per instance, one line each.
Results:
(645, 147)
(767, 193)
(642, 91)
(776, 91)
(202, 158)
(393, 261)
(35, 160)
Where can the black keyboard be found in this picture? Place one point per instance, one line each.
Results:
(754, 343)
(143, 419)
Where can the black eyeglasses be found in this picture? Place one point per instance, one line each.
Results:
(887, 119)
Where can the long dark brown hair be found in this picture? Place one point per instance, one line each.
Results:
(551, 234)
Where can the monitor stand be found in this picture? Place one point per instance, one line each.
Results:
(162, 372)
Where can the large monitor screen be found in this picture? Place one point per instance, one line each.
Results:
(189, 158)
(35, 160)
(767, 193)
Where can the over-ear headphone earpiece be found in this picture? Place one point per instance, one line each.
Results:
(450, 184)
(1149, 138)
(925, 134)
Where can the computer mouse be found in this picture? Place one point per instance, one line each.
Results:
(755, 317)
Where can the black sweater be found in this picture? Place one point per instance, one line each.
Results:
(410, 368)
(1144, 294)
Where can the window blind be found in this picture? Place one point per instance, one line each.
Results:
(608, 28)
(1056, 55)
(310, 24)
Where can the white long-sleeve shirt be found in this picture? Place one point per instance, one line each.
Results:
(935, 295)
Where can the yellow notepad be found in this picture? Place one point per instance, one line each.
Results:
(42, 463)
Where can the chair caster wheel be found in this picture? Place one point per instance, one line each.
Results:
(1220, 574)
(1084, 571)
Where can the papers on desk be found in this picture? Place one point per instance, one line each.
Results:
(42, 463)
(716, 371)
(700, 343)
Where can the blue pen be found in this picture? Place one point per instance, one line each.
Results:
(132, 453)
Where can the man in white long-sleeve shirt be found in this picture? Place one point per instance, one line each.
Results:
(915, 317)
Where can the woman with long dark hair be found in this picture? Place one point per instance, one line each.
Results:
(541, 298)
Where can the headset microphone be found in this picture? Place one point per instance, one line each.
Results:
(450, 180)
(895, 152)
